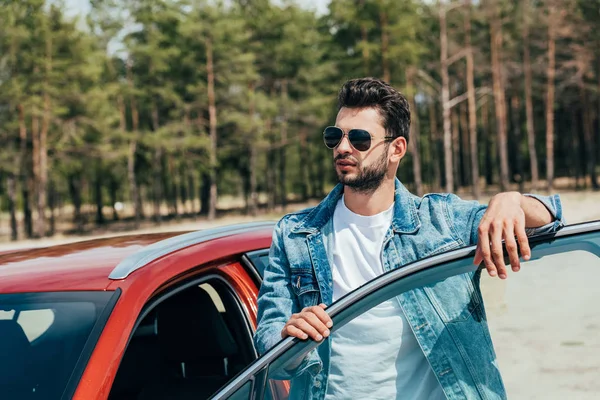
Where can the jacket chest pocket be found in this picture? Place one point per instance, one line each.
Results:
(305, 287)
(454, 299)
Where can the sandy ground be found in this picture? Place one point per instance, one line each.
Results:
(545, 320)
(545, 326)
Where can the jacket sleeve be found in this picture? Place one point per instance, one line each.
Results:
(276, 304)
(465, 217)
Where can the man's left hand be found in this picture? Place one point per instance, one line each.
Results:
(503, 219)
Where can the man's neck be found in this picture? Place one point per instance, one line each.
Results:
(370, 203)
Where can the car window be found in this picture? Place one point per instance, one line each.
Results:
(42, 329)
(543, 320)
(260, 260)
(192, 342)
(545, 325)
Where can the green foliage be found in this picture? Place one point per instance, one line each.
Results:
(277, 68)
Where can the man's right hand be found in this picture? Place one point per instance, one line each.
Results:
(311, 322)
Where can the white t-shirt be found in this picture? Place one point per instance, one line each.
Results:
(376, 355)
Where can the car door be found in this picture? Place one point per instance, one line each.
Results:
(544, 320)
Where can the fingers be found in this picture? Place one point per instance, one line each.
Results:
(291, 330)
(478, 255)
(497, 254)
(311, 322)
(523, 241)
(511, 248)
(320, 312)
(484, 248)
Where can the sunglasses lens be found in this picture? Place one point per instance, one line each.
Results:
(332, 136)
(360, 139)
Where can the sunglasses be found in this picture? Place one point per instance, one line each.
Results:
(358, 138)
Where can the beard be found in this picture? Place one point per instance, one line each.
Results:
(368, 178)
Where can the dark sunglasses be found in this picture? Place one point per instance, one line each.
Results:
(359, 138)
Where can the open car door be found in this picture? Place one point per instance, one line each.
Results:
(544, 320)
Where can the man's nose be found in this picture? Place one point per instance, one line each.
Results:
(344, 146)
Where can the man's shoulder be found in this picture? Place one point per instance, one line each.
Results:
(291, 219)
(431, 200)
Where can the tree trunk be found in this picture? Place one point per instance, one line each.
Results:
(12, 205)
(271, 175)
(98, 195)
(446, 100)
(173, 192)
(25, 173)
(472, 105)
(464, 148)
(435, 146)
(364, 36)
(533, 159)
(52, 195)
(35, 157)
(205, 194)
(191, 184)
(304, 163)
(414, 134)
(158, 190)
(113, 190)
(550, 72)
(75, 192)
(516, 129)
(42, 187)
(385, 44)
(252, 156)
(136, 199)
(455, 148)
(489, 144)
(590, 153)
(499, 97)
(212, 118)
(283, 148)
(576, 149)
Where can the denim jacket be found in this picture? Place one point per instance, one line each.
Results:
(447, 318)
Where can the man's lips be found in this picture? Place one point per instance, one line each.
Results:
(344, 163)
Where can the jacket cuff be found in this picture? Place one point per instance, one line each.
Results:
(554, 206)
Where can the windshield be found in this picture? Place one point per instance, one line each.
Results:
(42, 337)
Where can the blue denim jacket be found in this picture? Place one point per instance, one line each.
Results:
(448, 318)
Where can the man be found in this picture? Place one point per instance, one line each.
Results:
(369, 224)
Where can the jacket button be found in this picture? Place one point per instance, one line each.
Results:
(317, 384)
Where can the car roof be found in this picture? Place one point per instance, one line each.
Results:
(88, 265)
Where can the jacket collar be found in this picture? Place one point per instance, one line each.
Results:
(405, 219)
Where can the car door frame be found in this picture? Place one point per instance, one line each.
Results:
(423, 272)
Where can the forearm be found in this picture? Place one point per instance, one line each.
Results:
(536, 213)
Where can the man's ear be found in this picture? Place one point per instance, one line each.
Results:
(398, 149)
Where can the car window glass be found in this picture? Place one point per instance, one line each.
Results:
(191, 343)
(35, 322)
(260, 260)
(42, 329)
(243, 393)
(544, 323)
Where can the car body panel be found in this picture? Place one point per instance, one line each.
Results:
(75, 266)
(219, 256)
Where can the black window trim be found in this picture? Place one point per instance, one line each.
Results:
(380, 283)
(250, 260)
(89, 346)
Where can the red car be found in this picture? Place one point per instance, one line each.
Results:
(171, 316)
(131, 317)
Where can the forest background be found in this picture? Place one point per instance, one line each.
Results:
(139, 113)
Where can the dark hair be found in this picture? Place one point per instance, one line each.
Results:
(372, 92)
